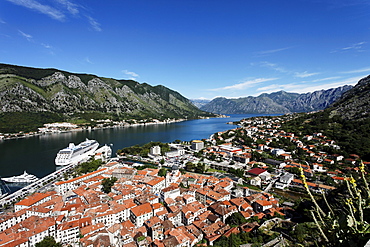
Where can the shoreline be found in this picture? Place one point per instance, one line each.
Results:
(21, 135)
(14, 136)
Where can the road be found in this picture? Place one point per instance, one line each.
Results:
(41, 184)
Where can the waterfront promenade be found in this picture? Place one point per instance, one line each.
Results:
(32, 188)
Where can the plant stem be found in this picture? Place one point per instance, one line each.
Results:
(318, 225)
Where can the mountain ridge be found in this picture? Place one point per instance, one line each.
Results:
(27, 89)
(280, 102)
(357, 100)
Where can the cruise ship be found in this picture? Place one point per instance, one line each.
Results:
(23, 178)
(75, 154)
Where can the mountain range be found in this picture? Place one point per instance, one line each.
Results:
(25, 89)
(276, 103)
(33, 95)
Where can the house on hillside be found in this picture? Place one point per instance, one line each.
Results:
(284, 181)
(259, 172)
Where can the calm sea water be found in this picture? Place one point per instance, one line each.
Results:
(36, 154)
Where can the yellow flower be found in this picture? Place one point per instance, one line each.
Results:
(362, 167)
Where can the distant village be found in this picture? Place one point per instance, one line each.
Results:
(243, 171)
(51, 128)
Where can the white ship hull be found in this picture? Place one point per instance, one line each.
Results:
(24, 178)
(75, 154)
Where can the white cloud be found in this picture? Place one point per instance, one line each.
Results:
(2, 21)
(273, 87)
(44, 9)
(327, 79)
(88, 60)
(94, 24)
(27, 36)
(357, 71)
(267, 52)
(274, 67)
(71, 7)
(304, 74)
(130, 73)
(244, 85)
(304, 88)
(60, 11)
(46, 46)
(354, 47)
(349, 81)
(278, 87)
(280, 69)
(297, 88)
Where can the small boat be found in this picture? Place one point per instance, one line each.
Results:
(23, 178)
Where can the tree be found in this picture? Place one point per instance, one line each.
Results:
(237, 172)
(162, 172)
(236, 219)
(294, 170)
(48, 241)
(189, 166)
(107, 184)
(200, 168)
(89, 166)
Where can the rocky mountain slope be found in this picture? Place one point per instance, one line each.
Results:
(347, 121)
(355, 103)
(276, 103)
(24, 89)
(200, 102)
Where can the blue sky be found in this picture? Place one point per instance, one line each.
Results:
(200, 48)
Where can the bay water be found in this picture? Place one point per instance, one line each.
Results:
(36, 154)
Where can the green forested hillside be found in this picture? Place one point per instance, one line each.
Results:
(30, 97)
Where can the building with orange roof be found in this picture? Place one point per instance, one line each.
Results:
(326, 188)
(28, 232)
(206, 194)
(68, 232)
(156, 184)
(63, 186)
(9, 220)
(241, 204)
(223, 209)
(261, 205)
(198, 235)
(170, 192)
(318, 167)
(33, 200)
(90, 229)
(227, 185)
(155, 228)
(181, 238)
(191, 211)
(197, 145)
(212, 232)
(286, 156)
(141, 213)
